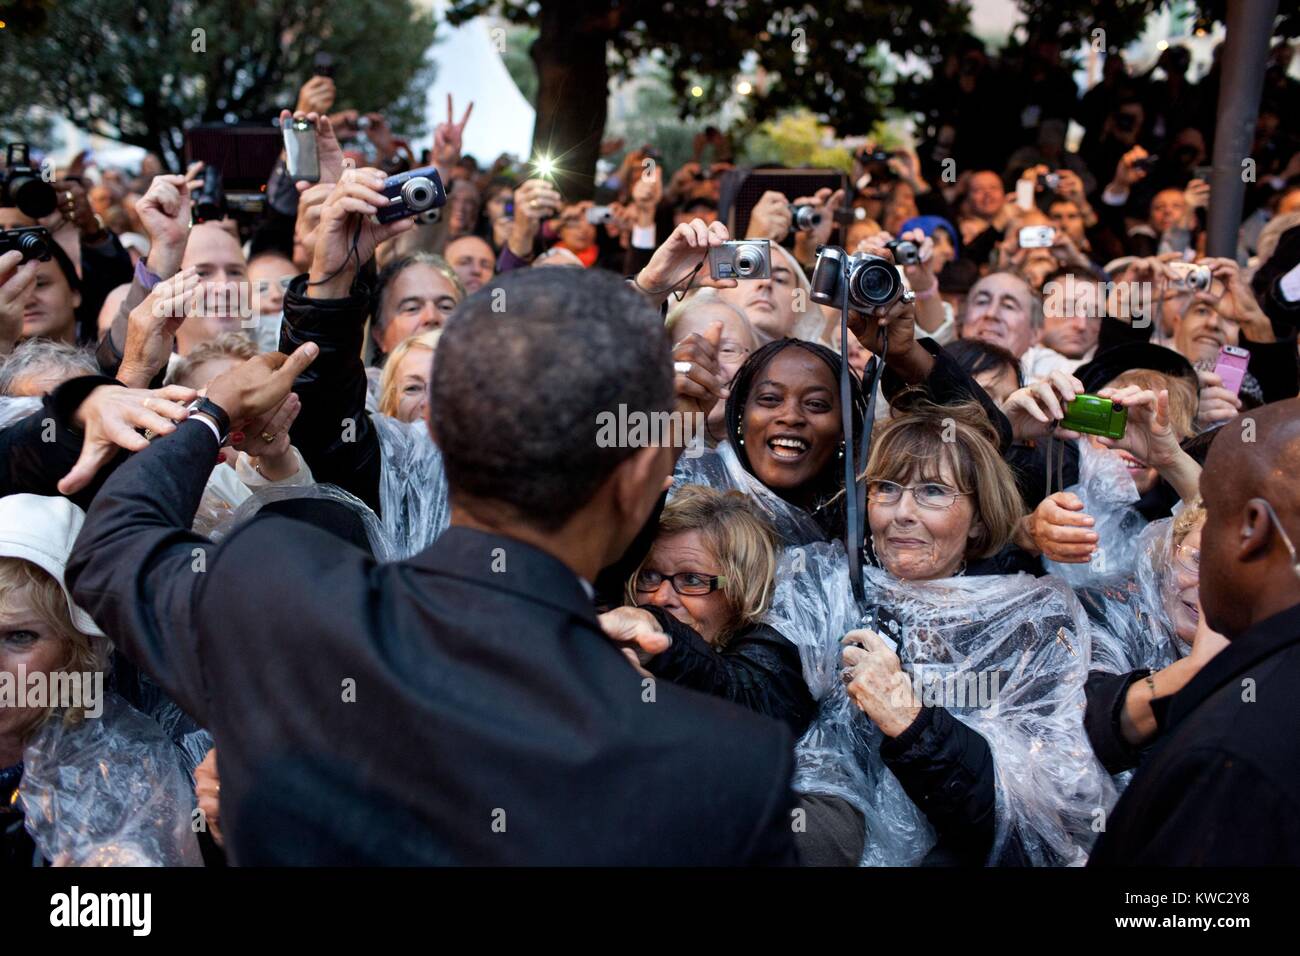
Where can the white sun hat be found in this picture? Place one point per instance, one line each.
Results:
(41, 530)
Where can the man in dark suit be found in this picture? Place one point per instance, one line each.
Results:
(1223, 789)
(462, 706)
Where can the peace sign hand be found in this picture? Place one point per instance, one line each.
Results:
(447, 136)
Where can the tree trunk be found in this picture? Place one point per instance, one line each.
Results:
(572, 92)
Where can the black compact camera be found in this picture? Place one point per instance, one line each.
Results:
(871, 281)
(805, 217)
(412, 193)
(906, 252)
(32, 241)
(209, 198)
(22, 186)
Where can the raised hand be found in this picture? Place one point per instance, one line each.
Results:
(876, 682)
(770, 218)
(1035, 409)
(328, 151)
(109, 418)
(672, 264)
(252, 390)
(448, 137)
(347, 237)
(151, 327)
(164, 211)
(316, 95)
(17, 280)
(700, 386)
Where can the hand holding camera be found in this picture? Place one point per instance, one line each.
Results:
(347, 235)
(1131, 169)
(1148, 436)
(312, 150)
(535, 200)
(316, 95)
(681, 259)
(17, 279)
(1037, 410)
(770, 218)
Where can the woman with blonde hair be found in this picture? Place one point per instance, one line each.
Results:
(85, 779)
(404, 381)
(705, 583)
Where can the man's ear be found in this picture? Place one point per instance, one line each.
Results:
(639, 480)
(1256, 529)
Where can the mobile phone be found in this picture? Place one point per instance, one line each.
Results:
(1231, 367)
(300, 154)
(322, 65)
(1093, 415)
(1024, 194)
(1203, 173)
(1037, 237)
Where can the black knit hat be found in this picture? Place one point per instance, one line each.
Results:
(1110, 364)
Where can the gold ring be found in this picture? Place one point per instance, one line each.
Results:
(268, 437)
(67, 194)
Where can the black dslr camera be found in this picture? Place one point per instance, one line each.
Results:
(32, 241)
(906, 252)
(22, 186)
(210, 198)
(871, 281)
(418, 192)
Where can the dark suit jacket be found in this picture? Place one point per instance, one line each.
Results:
(462, 706)
(1223, 789)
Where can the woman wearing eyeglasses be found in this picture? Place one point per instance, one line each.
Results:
(955, 723)
(706, 581)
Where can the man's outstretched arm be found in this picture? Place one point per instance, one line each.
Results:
(136, 567)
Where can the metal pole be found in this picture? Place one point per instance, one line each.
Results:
(1245, 54)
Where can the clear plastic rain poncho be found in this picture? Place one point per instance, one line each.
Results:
(719, 468)
(1132, 627)
(14, 410)
(1007, 655)
(382, 545)
(412, 484)
(108, 791)
(1109, 495)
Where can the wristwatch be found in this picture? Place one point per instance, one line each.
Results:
(214, 413)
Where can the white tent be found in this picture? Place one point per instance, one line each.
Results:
(470, 69)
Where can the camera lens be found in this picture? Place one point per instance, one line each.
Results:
(874, 284)
(748, 260)
(418, 193)
(34, 197)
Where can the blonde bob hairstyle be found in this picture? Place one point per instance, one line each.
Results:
(28, 589)
(388, 384)
(743, 543)
(914, 444)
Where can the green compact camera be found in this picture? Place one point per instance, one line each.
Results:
(1091, 415)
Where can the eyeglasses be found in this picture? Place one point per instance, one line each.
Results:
(929, 494)
(1188, 558)
(683, 582)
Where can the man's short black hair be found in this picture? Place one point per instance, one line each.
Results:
(523, 370)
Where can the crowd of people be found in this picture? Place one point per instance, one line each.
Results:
(319, 508)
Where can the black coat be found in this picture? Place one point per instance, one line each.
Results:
(1223, 786)
(759, 669)
(462, 706)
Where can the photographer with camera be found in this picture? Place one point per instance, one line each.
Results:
(17, 280)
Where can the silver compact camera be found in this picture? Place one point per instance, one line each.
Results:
(1037, 237)
(1190, 276)
(870, 281)
(741, 259)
